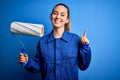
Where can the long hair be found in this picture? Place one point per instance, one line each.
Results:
(67, 25)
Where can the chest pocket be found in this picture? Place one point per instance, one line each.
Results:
(69, 50)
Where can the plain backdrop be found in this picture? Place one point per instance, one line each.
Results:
(100, 17)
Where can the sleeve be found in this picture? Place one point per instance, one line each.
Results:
(33, 65)
(84, 56)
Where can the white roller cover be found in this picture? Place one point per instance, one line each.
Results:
(27, 29)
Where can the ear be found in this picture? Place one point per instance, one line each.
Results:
(50, 17)
(67, 20)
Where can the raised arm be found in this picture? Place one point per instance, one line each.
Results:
(84, 55)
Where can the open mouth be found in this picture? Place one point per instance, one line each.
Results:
(57, 21)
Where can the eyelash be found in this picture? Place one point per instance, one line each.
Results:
(54, 13)
(62, 15)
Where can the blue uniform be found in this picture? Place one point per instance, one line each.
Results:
(59, 58)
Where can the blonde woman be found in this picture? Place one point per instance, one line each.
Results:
(60, 53)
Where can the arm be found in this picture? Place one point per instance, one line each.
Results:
(84, 56)
(33, 65)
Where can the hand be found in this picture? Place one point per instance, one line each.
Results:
(23, 58)
(83, 39)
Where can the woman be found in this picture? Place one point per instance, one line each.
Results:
(60, 53)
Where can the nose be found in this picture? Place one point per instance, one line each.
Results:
(58, 16)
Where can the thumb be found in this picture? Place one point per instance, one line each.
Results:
(21, 54)
(26, 58)
(84, 34)
(25, 55)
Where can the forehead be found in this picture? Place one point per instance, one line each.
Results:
(60, 8)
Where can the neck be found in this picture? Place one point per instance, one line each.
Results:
(58, 32)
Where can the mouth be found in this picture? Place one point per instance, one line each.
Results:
(57, 21)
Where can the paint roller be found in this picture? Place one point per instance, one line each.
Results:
(26, 29)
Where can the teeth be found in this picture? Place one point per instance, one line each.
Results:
(57, 20)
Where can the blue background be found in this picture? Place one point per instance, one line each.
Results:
(100, 17)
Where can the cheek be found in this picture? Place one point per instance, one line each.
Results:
(65, 20)
(53, 17)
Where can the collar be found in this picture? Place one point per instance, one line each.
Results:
(65, 36)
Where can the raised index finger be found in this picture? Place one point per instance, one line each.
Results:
(85, 32)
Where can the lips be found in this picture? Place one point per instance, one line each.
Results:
(57, 21)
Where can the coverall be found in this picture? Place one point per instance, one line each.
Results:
(59, 58)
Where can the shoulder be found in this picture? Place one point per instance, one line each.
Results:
(45, 38)
(73, 35)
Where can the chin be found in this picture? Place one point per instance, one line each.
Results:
(57, 26)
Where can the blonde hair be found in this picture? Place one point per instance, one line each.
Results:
(67, 25)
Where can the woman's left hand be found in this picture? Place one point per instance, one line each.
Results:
(83, 39)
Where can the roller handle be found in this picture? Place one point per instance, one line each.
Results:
(23, 50)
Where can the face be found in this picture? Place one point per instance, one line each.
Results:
(59, 16)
